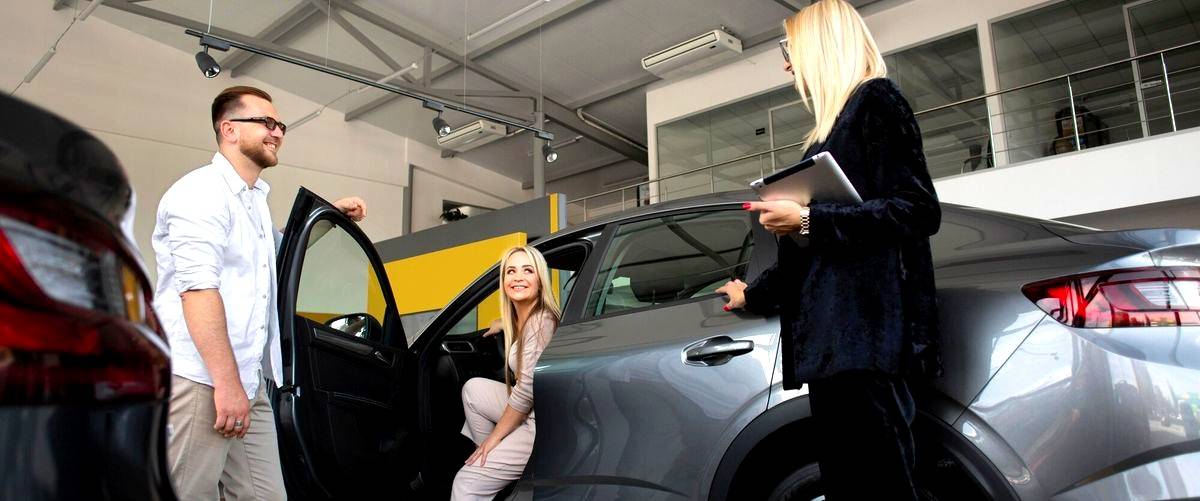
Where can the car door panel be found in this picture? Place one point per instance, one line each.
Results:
(345, 408)
(622, 411)
(638, 411)
(348, 366)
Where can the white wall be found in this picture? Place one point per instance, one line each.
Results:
(1151, 170)
(436, 179)
(148, 102)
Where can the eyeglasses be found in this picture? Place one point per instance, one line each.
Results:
(269, 122)
(783, 46)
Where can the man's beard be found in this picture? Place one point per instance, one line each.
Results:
(260, 156)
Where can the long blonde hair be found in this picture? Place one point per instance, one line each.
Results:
(546, 303)
(832, 53)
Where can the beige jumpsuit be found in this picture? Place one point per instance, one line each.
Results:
(484, 401)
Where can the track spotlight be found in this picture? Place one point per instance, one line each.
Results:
(207, 64)
(440, 126)
(549, 152)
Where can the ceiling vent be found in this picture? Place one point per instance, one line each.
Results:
(692, 55)
(472, 135)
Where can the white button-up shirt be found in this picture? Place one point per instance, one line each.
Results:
(213, 231)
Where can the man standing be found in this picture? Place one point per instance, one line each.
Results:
(216, 298)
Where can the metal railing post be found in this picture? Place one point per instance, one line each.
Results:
(712, 180)
(1162, 56)
(585, 204)
(1074, 119)
(622, 199)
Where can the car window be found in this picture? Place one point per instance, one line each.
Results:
(338, 286)
(671, 258)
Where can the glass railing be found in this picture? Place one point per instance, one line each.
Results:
(1134, 98)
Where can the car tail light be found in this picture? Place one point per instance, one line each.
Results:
(74, 326)
(1150, 297)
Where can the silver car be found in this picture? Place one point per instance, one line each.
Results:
(1072, 368)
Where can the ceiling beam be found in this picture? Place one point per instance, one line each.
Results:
(502, 40)
(554, 111)
(787, 5)
(614, 91)
(516, 31)
(272, 33)
(362, 39)
(183, 22)
(487, 93)
(395, 28)
(64, 4)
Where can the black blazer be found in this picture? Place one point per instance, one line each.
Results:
(861, 295)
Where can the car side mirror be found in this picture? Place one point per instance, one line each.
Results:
(359, 325)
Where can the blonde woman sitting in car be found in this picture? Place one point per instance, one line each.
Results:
(500, 415)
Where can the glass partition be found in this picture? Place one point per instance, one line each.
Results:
(941, 72)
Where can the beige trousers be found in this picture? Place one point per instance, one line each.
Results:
(200, 457)
(483, 402)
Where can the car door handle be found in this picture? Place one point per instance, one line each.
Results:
(383, 357)
(716, 351)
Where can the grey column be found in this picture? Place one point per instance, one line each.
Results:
(539, 160)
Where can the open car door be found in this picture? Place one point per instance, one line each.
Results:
(343, 408)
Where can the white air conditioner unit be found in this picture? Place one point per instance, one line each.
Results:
(472, 135)
(693, 55)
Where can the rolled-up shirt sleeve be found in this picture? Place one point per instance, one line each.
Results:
(196, 236)
(538, 331)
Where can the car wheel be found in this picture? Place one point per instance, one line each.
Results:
(804, 484)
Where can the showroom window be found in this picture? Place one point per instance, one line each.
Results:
(1160, 25)
(932, 74)
(338, 287)
(753, 126)
(941, 72)
(670, 259)
(1107, 105)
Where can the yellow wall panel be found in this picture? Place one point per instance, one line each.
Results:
(320, 318)
(376, 305)
(488, 310)
(429, 281)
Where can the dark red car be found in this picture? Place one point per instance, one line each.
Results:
(84, 367)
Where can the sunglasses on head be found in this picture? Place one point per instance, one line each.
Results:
(783, 46)
(268, 122)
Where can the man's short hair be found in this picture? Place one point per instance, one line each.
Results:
(230, 100)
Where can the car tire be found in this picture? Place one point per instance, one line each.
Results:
(802, 484)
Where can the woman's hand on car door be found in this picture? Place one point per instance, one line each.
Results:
(495, 328)
(734, 290)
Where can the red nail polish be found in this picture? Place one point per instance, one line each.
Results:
(746, 206)
(726, 307)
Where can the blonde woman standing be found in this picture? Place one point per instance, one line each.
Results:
(500, 416)
(856, 306)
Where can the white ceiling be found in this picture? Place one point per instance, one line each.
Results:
(570, 50)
